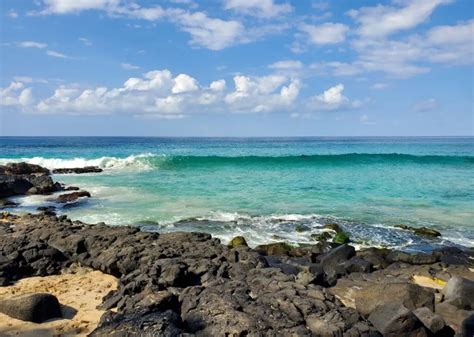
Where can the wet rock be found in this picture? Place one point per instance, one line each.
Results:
(333, 226)
(430, 320)
(46, 209)
(460, 291)
(341, 238)
(422, 231)
(238, 241)
(70, 197)
(78, 170)
(35, 308)
(323, 236)
(301, 228)
(394, 320)
(7, 203)
(23, 168)
(72, 188)
(410, 295)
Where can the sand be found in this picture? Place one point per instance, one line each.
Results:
(79, 290)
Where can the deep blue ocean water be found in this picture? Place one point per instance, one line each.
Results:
(264, 188)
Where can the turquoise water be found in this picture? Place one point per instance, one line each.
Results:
(265, 188)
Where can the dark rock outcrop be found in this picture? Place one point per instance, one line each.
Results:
(23, 178)
(35, 308)
(78, 170)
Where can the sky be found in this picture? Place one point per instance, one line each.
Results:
(236, 68)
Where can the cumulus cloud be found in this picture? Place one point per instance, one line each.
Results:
(259, 8)
(380, 20)
(333, 99)
(16, 95)
(214, 34)
(326, 33)
(12, 14)
(160, 94)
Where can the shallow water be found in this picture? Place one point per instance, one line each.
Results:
(266, 188)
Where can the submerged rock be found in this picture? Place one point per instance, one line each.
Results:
(422, 231)
(35, 308)
(333, 226)
(78, 170)
(341, 238)
(323, 236)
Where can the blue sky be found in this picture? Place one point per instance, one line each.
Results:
(237, 67)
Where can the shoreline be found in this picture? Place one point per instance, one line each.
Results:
(190, 283)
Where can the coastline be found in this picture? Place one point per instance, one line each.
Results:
(190, 283)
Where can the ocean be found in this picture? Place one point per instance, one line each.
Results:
(268, 189)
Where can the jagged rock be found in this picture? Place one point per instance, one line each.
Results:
(395, 320)
(32, 307)
(78, 170)
(467, 328)
(323, 236)
(7, 203)
(453, 316)
(410, 295)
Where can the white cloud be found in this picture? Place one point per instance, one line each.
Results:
(85, 41)
(286, 64)
(31, 44)
(332, 99)
(380, 21)
(16, 95)
(160, 94)
(68, 6)
(379, 86)
(326, 33)
(259, 8)
(425, 105)
(12, 14)
(214, 34)
(184, 83)
(56, 54)
(218, 85)
(128, 66)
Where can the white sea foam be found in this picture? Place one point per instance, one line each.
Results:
(140, 162)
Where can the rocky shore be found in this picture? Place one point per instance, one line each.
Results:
(190, 284)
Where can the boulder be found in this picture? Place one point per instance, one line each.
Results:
(452, 315)
(35, 308)
(78, 170)
(23, 168)
(460, 291)
(430, 320)
(238, 241)
(70, 197)
(410, 295)
(333, 262)
(395, 320)
(4, 203)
